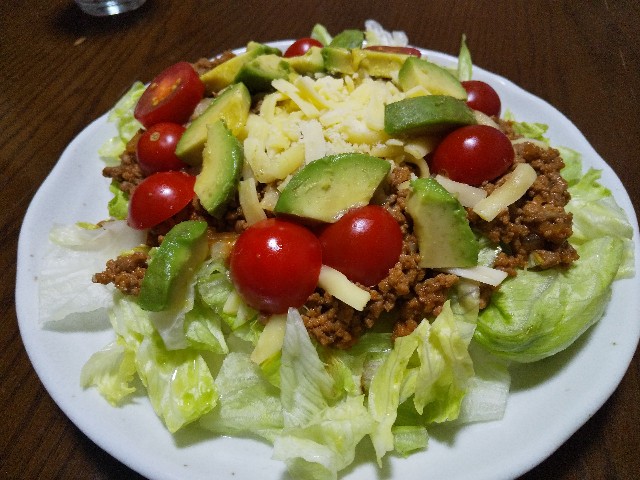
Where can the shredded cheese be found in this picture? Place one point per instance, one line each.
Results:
(515, 186)
(338, 285)
(467, 195)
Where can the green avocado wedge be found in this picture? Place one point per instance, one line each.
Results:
(326, 188)
(232, 106)
(173, 265)
(440, 224)
(426, 115)
(222, 160)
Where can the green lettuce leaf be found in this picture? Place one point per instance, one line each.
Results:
(112, 371)
(179, 384)
(537, 314)
(465, 65)
(122, 115)
(119, 204)
(247, 404)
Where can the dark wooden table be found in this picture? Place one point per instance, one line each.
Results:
(60, 69)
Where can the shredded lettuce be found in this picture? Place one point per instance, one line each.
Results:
(465, 65)
(74, 255)
(375, 34)
(320, 33)
(178, 382)
(111, 370)
(118, 206)
(122, 115)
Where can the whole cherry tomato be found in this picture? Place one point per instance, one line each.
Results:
(171, 96)
(300, 47)
(156, 149)
(158, 197)
(481, 96)
(473, 154)
(275, 264)
(363, 244)
(391, 49)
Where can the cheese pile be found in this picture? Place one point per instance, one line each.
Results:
(308, 118)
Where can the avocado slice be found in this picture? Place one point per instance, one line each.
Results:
(338, 60)
(426, 114)
(435, 79)
(258, 73)
(173, 265)
(325, 188)
(222, 160)
(310, 62)
(379, 64)
(224, 74)
(440, 224)
(232, 106)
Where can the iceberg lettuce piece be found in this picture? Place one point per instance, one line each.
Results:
(488, 389)
(304, 382)
(537, 314)
(118, 206)
(74, 255)
(375, 34)
(327, 444)
(179, 384)
(203, 329)
(122, 115)
(465, 65)
(408, 439)
(597, 215)
(320, 431)
(247, 403)
(112, 371)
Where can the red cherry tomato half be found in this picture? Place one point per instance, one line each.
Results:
(300, 47)
(390, 49)
(473, 154)
(275, 264)
(481, 96)
(171, 96)
(156, 149)
(363, 244)
(159, 197)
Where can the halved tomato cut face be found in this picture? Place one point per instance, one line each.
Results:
(171, 96)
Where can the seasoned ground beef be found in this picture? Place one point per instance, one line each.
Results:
(534, 231)
(128, 173)
(125, 272)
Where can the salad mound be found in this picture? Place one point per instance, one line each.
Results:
(338, 241)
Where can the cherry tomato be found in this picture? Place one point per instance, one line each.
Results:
(275, 264)
(171, 96)
(300, 47)
(473, 154)
(363, 244)
(481, 96)
(158, 197)
(390, 49)
(156, 149)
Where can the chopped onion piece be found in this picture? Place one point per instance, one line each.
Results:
(490, 276)
(338, 285)
(248, 196)
(515, 186)
(467, 195)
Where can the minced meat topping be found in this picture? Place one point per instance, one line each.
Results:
(532, 233)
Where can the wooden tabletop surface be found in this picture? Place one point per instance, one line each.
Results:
(61, 69)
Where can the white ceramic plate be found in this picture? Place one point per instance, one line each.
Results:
(550, 400)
